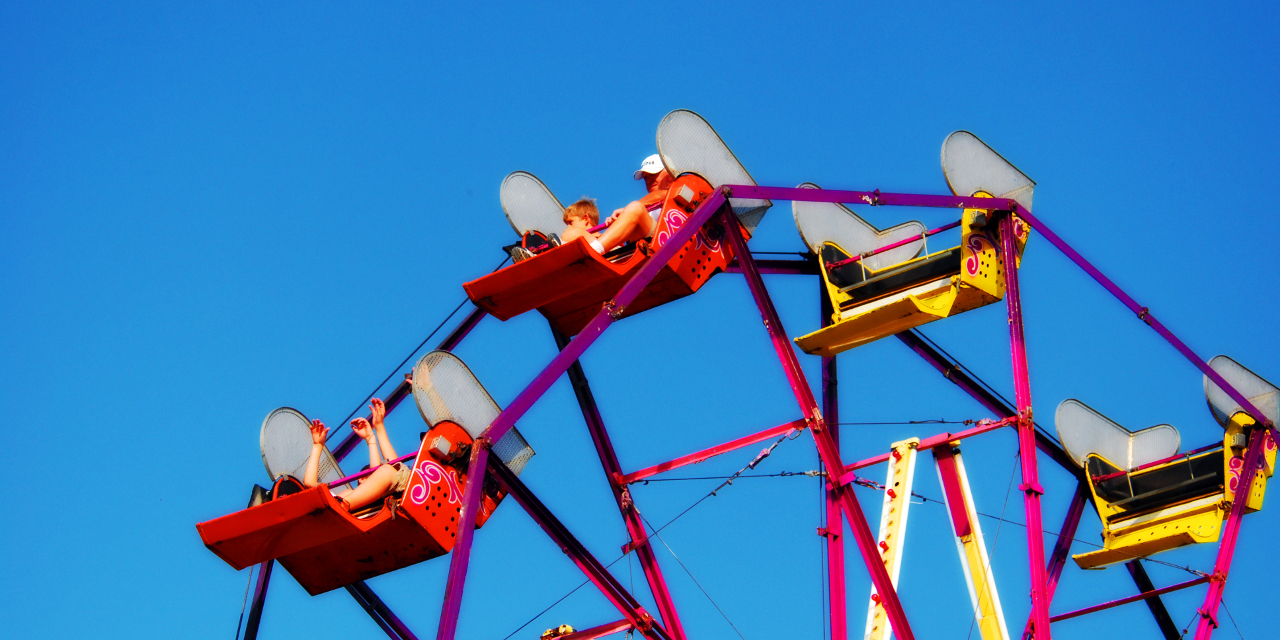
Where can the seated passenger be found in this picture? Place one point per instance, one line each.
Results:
(386, 478)
(627, 224)
(656, 180)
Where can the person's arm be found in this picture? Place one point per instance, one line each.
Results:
(378, 411)
(318, 432)
(362, 429)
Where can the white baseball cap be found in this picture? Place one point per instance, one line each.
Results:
(652, 164)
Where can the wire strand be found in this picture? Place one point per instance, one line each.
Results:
(695, 580)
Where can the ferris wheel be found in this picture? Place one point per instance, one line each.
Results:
(1150, 493)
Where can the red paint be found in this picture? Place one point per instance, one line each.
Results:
(571, 283)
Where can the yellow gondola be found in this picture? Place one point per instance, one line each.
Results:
(1152, 499)
(874, 299)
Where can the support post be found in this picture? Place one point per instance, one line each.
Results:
(835, 523)
(893, 528)
(1154, 603)
(461, 555)
(1230, 533)
(1031, 489)
(382, 610)
(259, 599)
(368, 608)
(987, 612)
(626, 504)
(827, 450)
(592, 568)
(1058, 560)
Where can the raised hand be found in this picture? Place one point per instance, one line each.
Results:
(362, 428)
(318, 432)
(377, 411)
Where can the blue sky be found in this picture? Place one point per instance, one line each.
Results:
(211, 211)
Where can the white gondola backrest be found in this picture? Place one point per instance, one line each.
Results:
(1084, 431)
(529, 205)
(1259, 392)
(445, 389)
(285, 441)
(971, 166)
(820, 222)
(688, 144)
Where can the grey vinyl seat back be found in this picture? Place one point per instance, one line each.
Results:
(444, 388)
(1253, 387)
(1083, 431)
(529, 205)
(688, 144)
(285, 440)
(822, 222)
(971, 166)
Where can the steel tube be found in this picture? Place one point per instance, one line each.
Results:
(1230, 533)
(1154, 603)
(587, 563)
(1058, 560)
(1031, 489)
(368, 608)
(383, 610)
(695, 458)
(827, 449)
(461, 555)
(835, 523)
(875, 198)
(405, 388)
(941, 439)
(808, 267)
(259, 599)
(1140, 596)
(626, 505)
(1145, 315)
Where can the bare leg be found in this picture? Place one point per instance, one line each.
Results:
(634, 224)
(376, 485)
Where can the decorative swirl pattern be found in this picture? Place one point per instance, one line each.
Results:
(976, 244)
(675, 220)
(430, 473)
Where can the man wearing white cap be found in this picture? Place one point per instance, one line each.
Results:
(656, 180)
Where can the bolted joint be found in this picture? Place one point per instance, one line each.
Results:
(1032, 488)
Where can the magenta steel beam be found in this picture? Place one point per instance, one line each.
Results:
(598, 632)
(827, 449)
(1031, 489)
(1144, 315)
(373, 613)
(461, 554)
(1230, 533)
(1058, 559)
(626, 505)
(695, 458)
(805, 267)
(1140, 596)
(259, 599)
(952, 371)
(596, 572)
(607, 315)
(939, 440)
(1158, 611)
(405, 388)
(874, 198)
(834, 530)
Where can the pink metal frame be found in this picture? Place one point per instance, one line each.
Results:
(821, 422)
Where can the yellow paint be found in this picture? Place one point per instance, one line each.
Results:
(1137, 534)
(986, 600)
(942, 298)
(893, 528)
